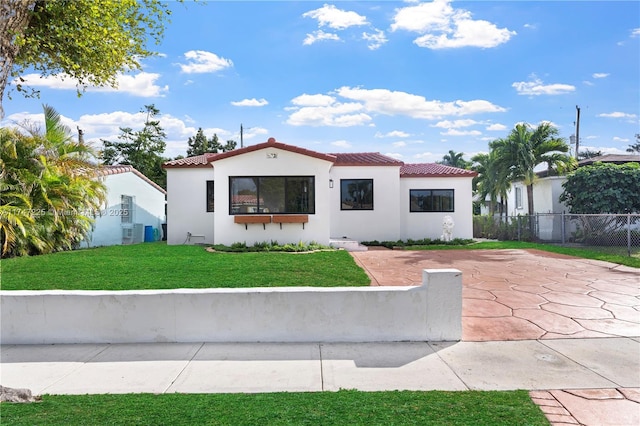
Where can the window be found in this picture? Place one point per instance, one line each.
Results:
(126, 209)
(431, 200)
(272, 194)
(210, 198)
(518, 197)
(356, 194)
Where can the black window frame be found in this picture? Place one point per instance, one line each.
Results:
(288, 182)
(360, 181)
(434, 209)
(210, 200)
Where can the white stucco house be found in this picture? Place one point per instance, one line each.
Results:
(547, 188)
(278, 192)
(134, 209)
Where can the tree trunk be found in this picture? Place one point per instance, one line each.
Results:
(14, 20)
(532, 228)
(530, 198)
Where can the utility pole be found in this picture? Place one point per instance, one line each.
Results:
(577, 129)
(241, 140)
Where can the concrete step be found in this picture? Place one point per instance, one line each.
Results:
(347, 244)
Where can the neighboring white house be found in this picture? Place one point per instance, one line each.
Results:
(278, 192)
(134, 204)
(548, 188)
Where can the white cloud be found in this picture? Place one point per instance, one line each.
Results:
(496, 127)
(319, 35)
(399, 144)
(388, 102)
(375, 40)
(427, 157)
(341, 144)
(441, 26)
(200, 61)
(446, 124)
(619, 139)
(635, 32)
(600, 75)
(395, 155)
(142, 84)
(531, 26)
(605, 150)
(454, 132)
(336, 114)
(588, 83)
(536, 87)
(335, 18)
(392, 134)
(313, 100)
(253, 102)
(324, 110)
(251, 132)
(617, 114)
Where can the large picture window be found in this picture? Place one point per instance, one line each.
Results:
(271, 194)
(431, 200)
(210, 198)
(356, 194)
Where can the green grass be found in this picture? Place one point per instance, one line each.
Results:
(159, 266)
(596, 253)
(345, 407)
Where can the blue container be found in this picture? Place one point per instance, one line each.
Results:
(148, 234)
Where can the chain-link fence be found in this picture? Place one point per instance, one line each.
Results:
(610, 232)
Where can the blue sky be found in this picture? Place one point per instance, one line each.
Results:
(410, 79)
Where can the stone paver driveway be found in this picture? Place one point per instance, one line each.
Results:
(524, 294)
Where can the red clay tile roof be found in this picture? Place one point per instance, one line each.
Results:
(365, 159)
(195, 161)
(205, 159)
(338, 159)
(121, 168)
(433, 170)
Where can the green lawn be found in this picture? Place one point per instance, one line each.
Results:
(159, 266)
(346, 407)
(597, 253)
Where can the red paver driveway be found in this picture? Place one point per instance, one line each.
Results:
(524, 294)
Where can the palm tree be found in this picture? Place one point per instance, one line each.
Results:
(52, 181)
(526, 147)
(454, 159)
(491, 181)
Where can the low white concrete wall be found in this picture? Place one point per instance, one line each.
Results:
(430, 312)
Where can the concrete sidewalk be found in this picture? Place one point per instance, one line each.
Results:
(573, 380)
(280, 367)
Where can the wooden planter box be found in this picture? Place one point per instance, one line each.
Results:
(246, 220)
(298, 218)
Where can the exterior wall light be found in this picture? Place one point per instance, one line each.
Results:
(330, 183)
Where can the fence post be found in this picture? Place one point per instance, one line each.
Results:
(562, 228)
(629, 234)
(519, 221)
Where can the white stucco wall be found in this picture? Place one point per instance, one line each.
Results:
(383, 222)
(430, 312)
(272, 162)
(418, 225)
(149, 208)
(546, 196)
(187, 206)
